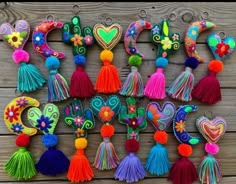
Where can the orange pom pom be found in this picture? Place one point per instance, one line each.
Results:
(216, 66)
(107, 130)
(106, 56)
(161, 137)
(185, 150)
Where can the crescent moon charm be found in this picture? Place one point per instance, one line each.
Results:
(179, 125)
(39, 38)
(12, 115)
(131, 35)
(191, 36)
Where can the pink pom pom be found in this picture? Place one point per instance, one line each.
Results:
(20, 56)
(212, 148)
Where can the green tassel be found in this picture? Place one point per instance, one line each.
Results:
(21, 165)
(29, 78)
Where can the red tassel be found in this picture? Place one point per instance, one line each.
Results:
(80, 84)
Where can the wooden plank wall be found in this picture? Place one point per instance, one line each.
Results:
(223, 14)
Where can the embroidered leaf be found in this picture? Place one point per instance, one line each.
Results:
(23, 34)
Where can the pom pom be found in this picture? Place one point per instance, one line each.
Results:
(19, 56)
(107, 130)
(135, 60)
(80, 60)
(161, 62)
(216, 66)
(52, 63)
(132, 145)
(185, 150)
(212, 148)
(161, 137)
(81, 143)
(49, 140)
(23, 140)
(191, 62)
(106, 56)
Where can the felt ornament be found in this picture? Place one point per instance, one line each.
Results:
(183, 171)
(157, 162)
(81, 121)
(160, 34)
(133, 84)
(212, 130)
(131, 168)
(108, 79)
(207, 90)
(72, 33)
(182, 86)
(53, 161)
(106, 111)
(29, 78)
(21, 164)
(58, 88)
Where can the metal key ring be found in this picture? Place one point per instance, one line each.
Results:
(50, 18)
(172, 16)
(222, 34)
(76, 9)
(142, 13)
(108, 21)
(205, 15)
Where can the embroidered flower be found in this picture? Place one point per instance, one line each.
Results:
(152, 113)
(38, 39)
(79, 132)
(79, 121)
(44, 123)
(133, 135)
(192, 33)
(12, 113)
(132, 50)
(66, 37)
(43, 27)
(222, 49)
(14, 39)
(47, 52)
(17, 128)
(175, 37)
(155, 30)
(88, 40)
(192, 47)
(132, 108)
(106, 114)
(132, 32)
(203, 23)
(77, 39)
(166, 43)
(22, 102)
(180, 126)
(133, 122)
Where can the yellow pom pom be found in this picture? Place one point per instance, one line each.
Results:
(81, 143)
(106, 56)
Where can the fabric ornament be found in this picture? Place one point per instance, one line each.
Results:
(53, 161)
(207, 90)
(106, 111)
(131, 168)
(182, 86)
(58, 88)
(29, 78)
(81, 121)
(160, 35)
(133, 84)
(21, 164)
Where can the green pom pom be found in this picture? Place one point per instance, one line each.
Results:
(135, 60)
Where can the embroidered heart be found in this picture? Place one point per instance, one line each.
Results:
(107, 37)
(221, 48)
(211, 130)
(161, 117)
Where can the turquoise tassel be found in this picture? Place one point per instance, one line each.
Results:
(157, 161)
(29, 78)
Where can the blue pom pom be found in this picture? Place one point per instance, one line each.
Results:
(161, 62)
(79, 60)
(50, 140)
(191, 62)
(52, 63)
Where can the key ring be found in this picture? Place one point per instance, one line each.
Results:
(76, 9)
(172, 16)
(108, 21)
(142, 13)
(50, 18)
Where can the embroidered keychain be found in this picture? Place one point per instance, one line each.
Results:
(207, 90)
(183, 167)
(58, 89)
(130, 168)
(52, 161)
(81, 121)
(161, 118)
(29, 78)
(133, 84)
(72, 34)
(181, 87)
(108, 79)
(21, 163)
(212, 130)
(160, 35)
(106, 111)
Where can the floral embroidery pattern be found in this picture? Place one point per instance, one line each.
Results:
(88, 40)
(44, 123)
(222, 49)
(15, 39)
(22, 102)
(166, 43)
(156, 30)
(38, 39)
(192, 48)
(133, 135)
(79, 132)
(175, 37)
(132, 50)
(106, 114)
(12, 113)
(77, 39)
(132, 32)
(180, 126)
(79, 121)
(133, 122)
(132, 108)
(17, 128)
(192, 33)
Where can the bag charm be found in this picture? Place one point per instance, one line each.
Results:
(29, 78)
(52, 161)
(181, 87)
(212, 130)
(108, 79)
(130, 168)
(81, 121)
(58, 89)
(160, 35)
(207, 90)
(161, 118)
(133, 84)
(21, 164)
(106, 111)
